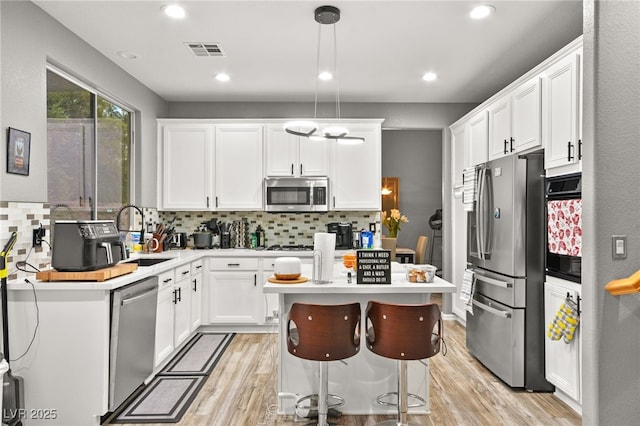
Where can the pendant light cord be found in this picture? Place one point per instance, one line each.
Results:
(315, 104)
(335, 65)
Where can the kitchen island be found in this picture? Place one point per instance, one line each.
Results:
(366, 375)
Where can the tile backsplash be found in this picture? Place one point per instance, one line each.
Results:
(23, 218)
(280, 228)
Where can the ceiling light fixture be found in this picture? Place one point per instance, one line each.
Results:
(429, 76)
(174, 11)
(324, 15)
(127, 55)
(481, 12)
(325, 76)
(222, 77)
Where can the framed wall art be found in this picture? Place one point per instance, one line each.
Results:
(18, 152)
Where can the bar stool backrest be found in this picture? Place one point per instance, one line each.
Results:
(323, 332)
(403, 332)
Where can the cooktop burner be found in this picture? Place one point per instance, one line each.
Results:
(299, 247)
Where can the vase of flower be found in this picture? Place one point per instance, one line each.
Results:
(393, 222)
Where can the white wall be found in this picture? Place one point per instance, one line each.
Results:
(611, 133)
(29, 38)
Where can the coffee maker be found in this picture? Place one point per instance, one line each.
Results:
(344, 234)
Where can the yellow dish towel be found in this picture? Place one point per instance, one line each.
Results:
(565, 322)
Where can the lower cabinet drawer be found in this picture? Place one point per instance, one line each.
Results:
(233, 264)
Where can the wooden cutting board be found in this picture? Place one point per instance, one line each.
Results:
(97, 275)
(296, 281)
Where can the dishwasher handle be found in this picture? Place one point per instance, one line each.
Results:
(133, 299)
(492, 310)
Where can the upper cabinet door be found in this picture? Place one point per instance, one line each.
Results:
(314, 157)
(459, 154)
(526, 116)
(478, 138)
(186, 171)
(561, 112)
(281, 152)
(238, 171)
(290, 155)
(500, 139)
(356, 170)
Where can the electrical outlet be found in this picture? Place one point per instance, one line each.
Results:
(38, 235)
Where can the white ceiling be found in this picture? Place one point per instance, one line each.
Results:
(384, 47)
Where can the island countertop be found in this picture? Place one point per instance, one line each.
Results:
(399, 284)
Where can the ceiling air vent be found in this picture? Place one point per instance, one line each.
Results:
(205, 49)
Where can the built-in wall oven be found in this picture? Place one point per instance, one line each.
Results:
(564, 227)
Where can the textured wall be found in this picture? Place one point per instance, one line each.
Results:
(611, 324)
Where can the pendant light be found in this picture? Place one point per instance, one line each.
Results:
(324, 15)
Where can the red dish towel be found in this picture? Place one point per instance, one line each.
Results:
(564, 227)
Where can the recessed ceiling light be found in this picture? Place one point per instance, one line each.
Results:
(481, 12)
(174, 11)
(127, 55)
(222, 77)
(326, 75)
(430, 76)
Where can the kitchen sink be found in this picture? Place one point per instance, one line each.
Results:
(148, 261)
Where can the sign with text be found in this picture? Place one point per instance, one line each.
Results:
(374, 267)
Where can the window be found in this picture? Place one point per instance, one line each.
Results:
(88, 151)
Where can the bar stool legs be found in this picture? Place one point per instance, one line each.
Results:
(403, 399)
(323, 397)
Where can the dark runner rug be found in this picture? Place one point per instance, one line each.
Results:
(168, 396)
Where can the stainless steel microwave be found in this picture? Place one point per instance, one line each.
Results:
(304, 194)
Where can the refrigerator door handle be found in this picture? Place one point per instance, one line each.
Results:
(491, 310)
(479, 215)
(487, 193)
(493, 281)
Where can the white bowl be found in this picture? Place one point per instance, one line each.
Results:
(420, 273)
(287, 268)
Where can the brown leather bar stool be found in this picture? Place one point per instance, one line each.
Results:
(323, 333)
(403, 333)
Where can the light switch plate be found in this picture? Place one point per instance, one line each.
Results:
(619, 246)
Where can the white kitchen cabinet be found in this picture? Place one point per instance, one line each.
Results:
(234, 294)
(182, 305)
(185, 170)
(478, 138)
(356, 170)
(458, 153)
(515, 120)
(238, 171)
(164, 317)
(562, 360)
(291, 155)
(196, 293)
(561, 114)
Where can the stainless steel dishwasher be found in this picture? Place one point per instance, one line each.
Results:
(133, 336)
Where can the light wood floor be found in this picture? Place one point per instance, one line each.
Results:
(242, 387)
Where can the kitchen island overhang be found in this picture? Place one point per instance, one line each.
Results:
(365, 375)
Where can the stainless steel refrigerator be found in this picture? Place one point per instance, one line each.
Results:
(505, 250)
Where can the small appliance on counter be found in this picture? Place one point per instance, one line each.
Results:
(86, 245)
(344, 234)
(202, 238)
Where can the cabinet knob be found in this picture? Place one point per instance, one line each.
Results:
(505, 147)
(291, 169)
(195, 285)
(511, 144)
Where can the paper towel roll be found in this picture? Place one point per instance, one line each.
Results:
(324, 243)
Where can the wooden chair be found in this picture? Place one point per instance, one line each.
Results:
(390, 244)
(403, 333)
(421, 250)
(323, 333)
